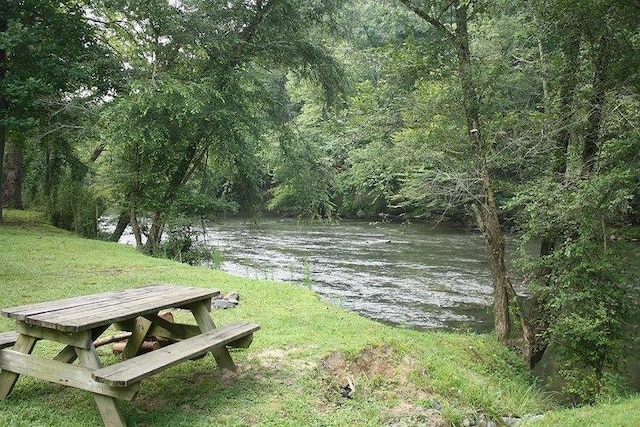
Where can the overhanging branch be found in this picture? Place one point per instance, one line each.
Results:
(435, 22)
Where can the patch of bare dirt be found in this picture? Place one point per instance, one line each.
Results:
(112, 271)
(378, 373)
(276, 358)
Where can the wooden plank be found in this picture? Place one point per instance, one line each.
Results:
(205, 322)
(104, 309)
(7, 339)
(80, 339)
(66, 355)
(133, 370)
(176, 330)
(108, 407)
(243, 342)
(179, 331)
(24, 344)
(106, 312)
(61, 373)
(21, 312)
(140, 330)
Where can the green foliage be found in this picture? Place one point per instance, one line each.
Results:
(155, 130)
(304, 177)
(52, 53)
(207, 88)
(586, 282)
(183, 244)
(52, 61)
(75, 208)
(591, 303)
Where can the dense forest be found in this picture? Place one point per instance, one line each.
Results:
(508, 116)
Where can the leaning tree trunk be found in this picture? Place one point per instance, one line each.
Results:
(121, 226)
(487, 212)
(179, 178)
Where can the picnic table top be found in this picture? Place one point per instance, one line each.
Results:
(91, 311)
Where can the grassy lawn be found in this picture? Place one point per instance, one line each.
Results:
(292, 373)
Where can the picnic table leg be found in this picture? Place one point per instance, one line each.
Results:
(24, 344)
(205, 322)
(140, 331)
(68, 354)
(108, 406)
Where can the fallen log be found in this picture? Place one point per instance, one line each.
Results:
(146, 346)
(112, 338)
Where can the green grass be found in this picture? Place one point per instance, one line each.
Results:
(616, 414)
(292, 373)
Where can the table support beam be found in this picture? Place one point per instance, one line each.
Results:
(61, 373)
(108, 407)
(24, 344)
(205, 322)
(140, 331)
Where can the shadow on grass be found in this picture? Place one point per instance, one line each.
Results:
(192, 393)
(197, 393)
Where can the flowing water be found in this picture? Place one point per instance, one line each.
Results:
(410, 275)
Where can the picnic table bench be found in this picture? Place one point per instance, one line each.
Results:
(78, 322)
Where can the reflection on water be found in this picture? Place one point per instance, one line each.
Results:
(411, 275)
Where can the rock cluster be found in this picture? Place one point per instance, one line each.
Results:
(229, 300)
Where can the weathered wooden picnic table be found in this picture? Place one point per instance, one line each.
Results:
(78, 322)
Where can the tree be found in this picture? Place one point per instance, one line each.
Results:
(199, 91)
(451, 19)
(49, 55)
(579, 283)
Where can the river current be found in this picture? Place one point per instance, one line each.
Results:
(410, 275)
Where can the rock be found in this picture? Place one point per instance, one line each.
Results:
(228, 301)
(511, 421)
(223, 304)
(235, 296)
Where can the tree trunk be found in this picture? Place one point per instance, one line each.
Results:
(3, 105)
(487, 213)
(136, 229)
(179, 178)
(13, 177)
(155, 233)
(121, 225)
(594, 122)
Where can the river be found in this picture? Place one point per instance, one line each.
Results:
(410, 275)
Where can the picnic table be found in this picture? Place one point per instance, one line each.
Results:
(78, 322)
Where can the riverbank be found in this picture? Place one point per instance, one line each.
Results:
(294, 371)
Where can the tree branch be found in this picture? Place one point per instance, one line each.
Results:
(247, 33)
(435, 22)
